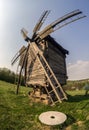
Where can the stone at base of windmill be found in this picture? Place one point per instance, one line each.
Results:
(45, 99)
(37, 97)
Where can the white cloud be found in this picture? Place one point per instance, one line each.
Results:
(78, 70)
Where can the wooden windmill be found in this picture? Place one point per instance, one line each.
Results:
(43, 60)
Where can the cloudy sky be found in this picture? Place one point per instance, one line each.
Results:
(16, 14)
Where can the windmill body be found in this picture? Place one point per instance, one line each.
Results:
(43, 61)
(55, 56)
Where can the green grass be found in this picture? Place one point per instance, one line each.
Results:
(18, 112)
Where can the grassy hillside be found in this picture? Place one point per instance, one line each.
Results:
(17, 112)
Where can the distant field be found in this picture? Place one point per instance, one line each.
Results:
(18, 112)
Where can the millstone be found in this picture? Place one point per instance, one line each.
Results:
(52, 118)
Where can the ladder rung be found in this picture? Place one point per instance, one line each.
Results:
(58, 101)
(57, 87)
(62, 98)
(51, 91)
(51, 76)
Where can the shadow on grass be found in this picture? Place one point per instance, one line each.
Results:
(70, 120)
(77, 98)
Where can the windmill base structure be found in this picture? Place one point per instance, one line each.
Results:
(48, 71)
(43, 61)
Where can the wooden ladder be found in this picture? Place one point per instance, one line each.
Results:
(56, 93)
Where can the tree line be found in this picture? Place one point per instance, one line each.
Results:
(9, 76)
(76, 85)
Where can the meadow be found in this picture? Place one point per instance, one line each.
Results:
(18, 112)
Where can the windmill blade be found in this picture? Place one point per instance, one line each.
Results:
(22, 66)
(68, 22)
(41, 21)
(66, 19)
(18, 54)
(24, 33)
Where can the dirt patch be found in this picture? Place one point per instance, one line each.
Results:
(68, 128)
(80, 123)
(87, 118)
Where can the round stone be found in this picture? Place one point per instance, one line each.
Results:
(52, 118)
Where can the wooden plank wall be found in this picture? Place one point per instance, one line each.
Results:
(35, 73)
(56, 60)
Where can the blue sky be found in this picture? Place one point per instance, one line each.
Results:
(16, 14)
